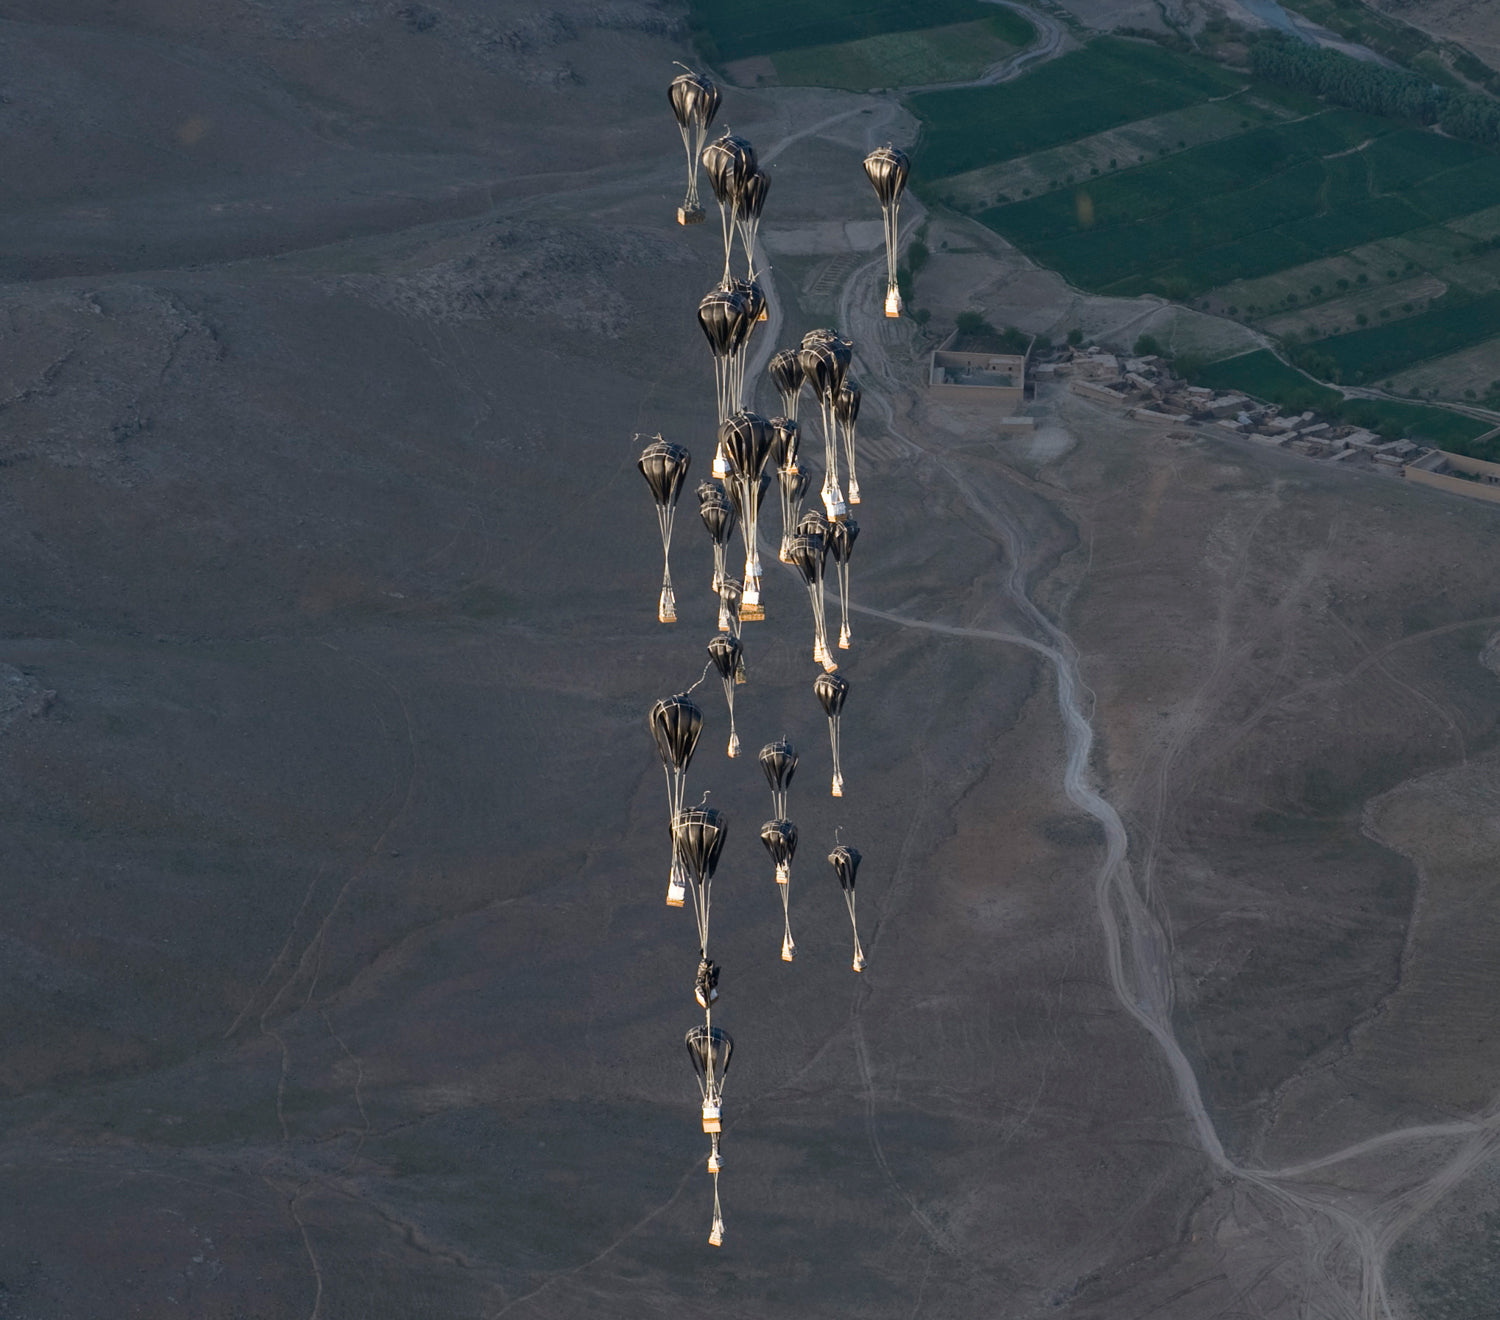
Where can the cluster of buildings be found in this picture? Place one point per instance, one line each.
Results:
(1146, 390)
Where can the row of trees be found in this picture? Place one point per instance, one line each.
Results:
(1375, 90)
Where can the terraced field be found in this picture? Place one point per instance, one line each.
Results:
(749, 28)
(1133, 170)
(950, 53)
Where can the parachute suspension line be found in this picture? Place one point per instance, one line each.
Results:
(848, 430)
(734, 738)
(843, 571)
(667, 608)
(749, 229)
(716, 1229)
(788, 947)
(859, 953)
(833, 497)
(749, 529)
(691, 145)
(833, 739)
(892, 238)
(820, 626)
(676, 877)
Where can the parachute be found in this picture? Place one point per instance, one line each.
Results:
(721, 315)
(845, 862)
(745, 440)
(780, 839)
(665, 467)
(846, 413)
(794, 482)
(725, 652)
(807, 551)
(786, 373)
(831, 691)
(752, 201)
(698, 835)
(675, 724)
(755, 310)
(841, 538)
(778, 760)
(825, 362)
(695, 101)
(729, 162)
(887, 168)
(719, 517)
(710, 1049)
(786, 444)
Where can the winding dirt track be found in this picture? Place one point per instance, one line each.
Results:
(1344, 1240)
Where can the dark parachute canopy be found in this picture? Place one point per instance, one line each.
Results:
(780, 839)
(720, 313)
(729, 161)
(786, 441)
(831, 691)
(746, 437)
(778, 761)
(845, 861)
(698, 834)
(676, 723)
(786, 373)
(665, 467)
(710, 1049)
(887, 169)
(694, 100)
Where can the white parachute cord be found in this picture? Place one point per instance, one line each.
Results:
(726, 224)
(818, 650)
(788, 946)
(859, 953)
(700, 913)
(690, 198)
(667, 609)
(716, 1230)
(833, 497)
(696, 686)
(787, 524)
(833, 739)
(734, 738)
(719, 565)
(843, 572)
(848, 431)
(893, 237)
(822, 611)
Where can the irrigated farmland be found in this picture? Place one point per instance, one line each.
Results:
(1109, 83)
(1360, 203)
(763, 27)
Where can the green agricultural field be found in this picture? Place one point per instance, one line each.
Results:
(1452, 323)
(899, 59)
(725, 32)
(1108, 83)
(1264, 376)
(1270, 198)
